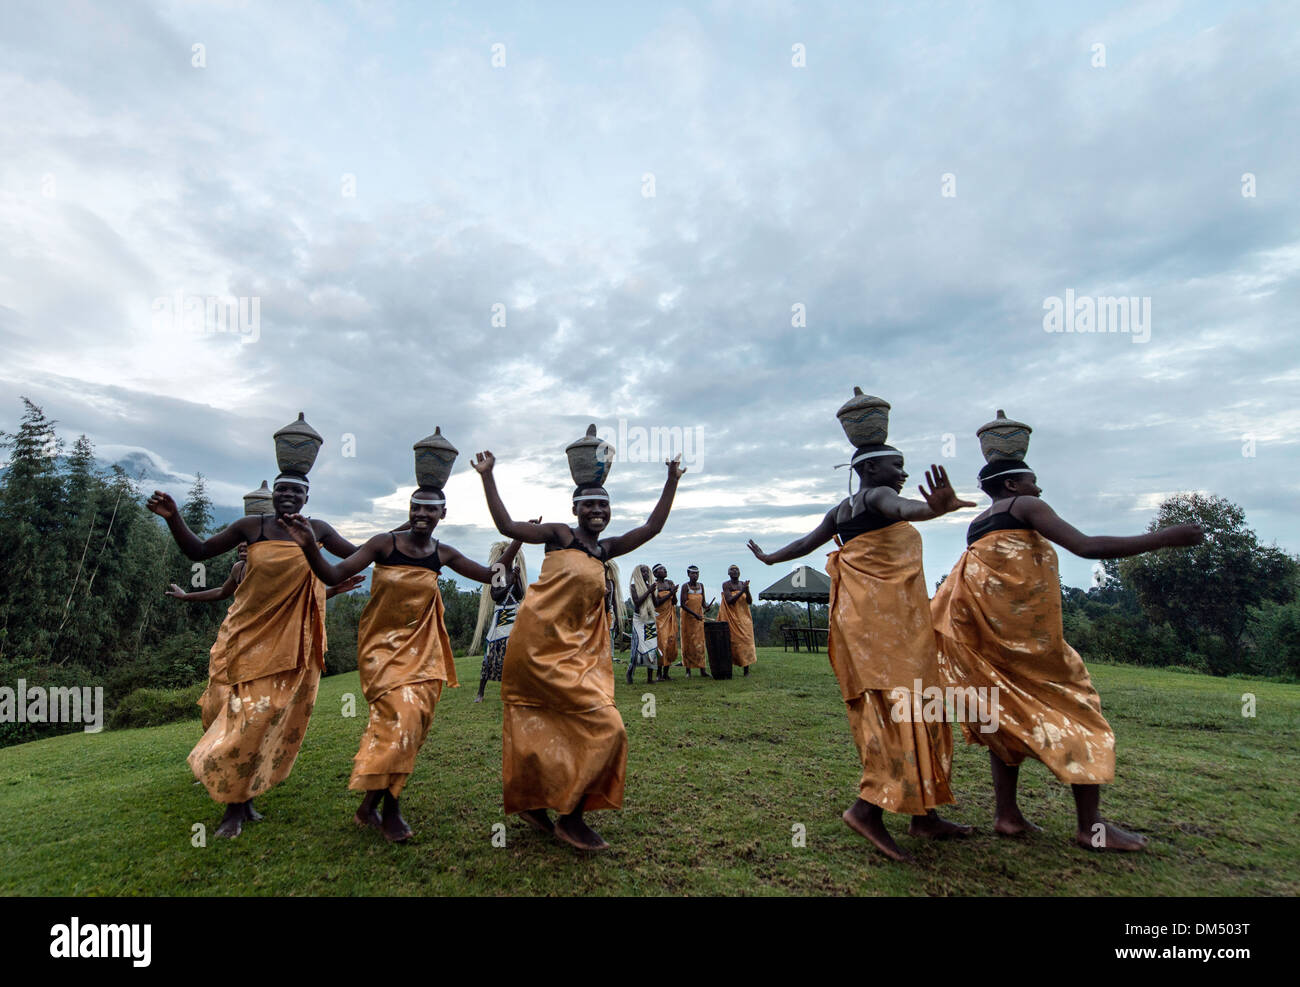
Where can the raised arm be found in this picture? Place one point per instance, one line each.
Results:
(632, 540)
(303, 533)
(188, 542)
(1053, 527)
(800, 547)
(530, 532)
(940, 499)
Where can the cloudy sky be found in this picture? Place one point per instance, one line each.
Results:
(716, 217)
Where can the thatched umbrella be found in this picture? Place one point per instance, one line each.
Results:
(804, 585)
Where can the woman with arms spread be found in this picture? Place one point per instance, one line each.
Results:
(271, 648)
(997, 617)
(564, 742)
(403, 650)
(881, 643)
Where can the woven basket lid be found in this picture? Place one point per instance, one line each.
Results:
(259, 501)
(1003, 438)
(434, 457)
(591, 458)
(296, 446)
(864, 418)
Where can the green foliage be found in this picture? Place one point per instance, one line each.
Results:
(86, 567)
(154, 707)
(341, 615)
(1205, 593)
(1274, 630)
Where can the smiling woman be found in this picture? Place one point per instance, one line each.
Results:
(270, 653)
(564, 746)
(403, 650)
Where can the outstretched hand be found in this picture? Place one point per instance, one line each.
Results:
(162, 505)
(484, 461)
(298, 528)
(941, 497)
(349, 584)
(174, 591)
(675, 468)
(758, 552)
(1183, 535)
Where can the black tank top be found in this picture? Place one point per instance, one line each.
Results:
(598, 555)
(1001, 521)
(261, 530)
(861, 523)
(396, 556)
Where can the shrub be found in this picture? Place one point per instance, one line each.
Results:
(154, 707)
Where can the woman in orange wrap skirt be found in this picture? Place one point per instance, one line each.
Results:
(881, 644)
(564, 745)
(403, 651)
(997, 618)
(694, 654)
(269, 653)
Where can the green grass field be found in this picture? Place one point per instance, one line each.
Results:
(716, 782)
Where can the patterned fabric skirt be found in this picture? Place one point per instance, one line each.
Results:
(905, 765)
(645, 644)
(399, 722)
(493, 658)
(252, 744)
(212, 702)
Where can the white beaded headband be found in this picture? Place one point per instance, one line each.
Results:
(993, 476)
(299, 481)
(431, 501)
(604, 497)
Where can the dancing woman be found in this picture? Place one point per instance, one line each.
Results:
(403, 650)
(564, 746)
(881, 643)
(997, 617)
(270, 650)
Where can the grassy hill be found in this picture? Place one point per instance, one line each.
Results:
(716, 781)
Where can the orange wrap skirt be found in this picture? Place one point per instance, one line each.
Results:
(997, 621)
(267, 662)
(741, 623)
(564, 745)
(693, 651)
(404, 658)
(666, 619)
(880, 644)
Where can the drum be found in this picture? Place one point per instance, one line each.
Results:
(717, 644)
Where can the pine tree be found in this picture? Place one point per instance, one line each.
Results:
(197, 510)
(32, 507)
